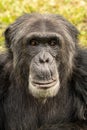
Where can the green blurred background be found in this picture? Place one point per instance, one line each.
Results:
(74, 10)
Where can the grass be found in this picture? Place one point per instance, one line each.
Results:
(74, 10)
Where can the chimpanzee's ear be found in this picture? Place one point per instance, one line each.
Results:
(7, 35)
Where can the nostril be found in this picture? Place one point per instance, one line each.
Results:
(43, 60)
(47, 60)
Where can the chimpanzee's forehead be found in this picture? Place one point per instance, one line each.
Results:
(27, 25)
(43, 25)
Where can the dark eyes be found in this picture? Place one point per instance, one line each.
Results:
(53, 42)
(34, 42)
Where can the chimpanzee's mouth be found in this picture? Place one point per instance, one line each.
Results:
(44, 84)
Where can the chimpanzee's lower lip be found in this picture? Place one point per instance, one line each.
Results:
(45, 84)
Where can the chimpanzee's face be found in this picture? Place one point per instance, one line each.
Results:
(44, 76)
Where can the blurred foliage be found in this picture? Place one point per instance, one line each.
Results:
(74, 10)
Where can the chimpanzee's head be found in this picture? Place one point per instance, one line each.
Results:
(43, 49)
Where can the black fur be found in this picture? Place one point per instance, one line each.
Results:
(19, 110)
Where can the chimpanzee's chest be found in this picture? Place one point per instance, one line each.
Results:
(26, 114)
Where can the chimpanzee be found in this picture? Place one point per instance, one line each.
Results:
(43, 75)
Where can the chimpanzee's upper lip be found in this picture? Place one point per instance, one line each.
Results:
(44, 84)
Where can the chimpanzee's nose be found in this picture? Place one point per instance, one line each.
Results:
(45, 57)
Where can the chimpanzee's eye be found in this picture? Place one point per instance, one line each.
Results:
(53, 43)
(33, 42)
